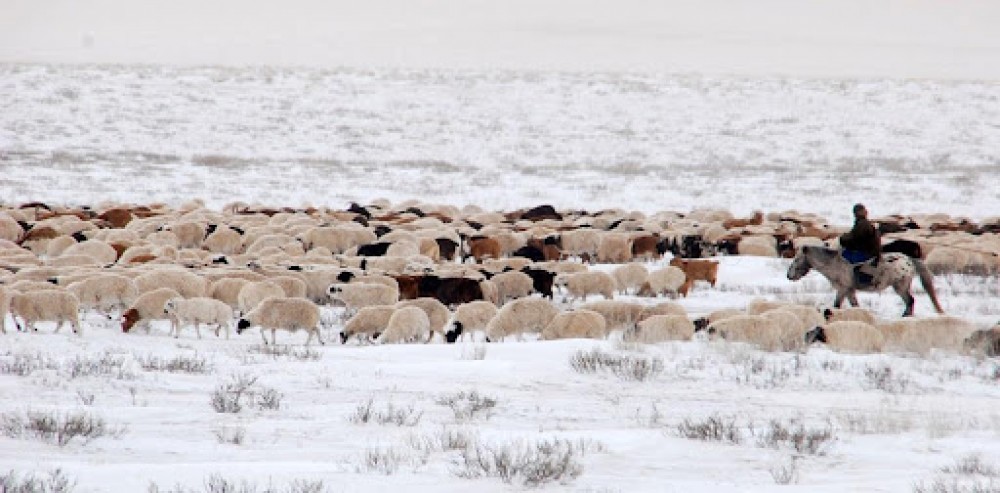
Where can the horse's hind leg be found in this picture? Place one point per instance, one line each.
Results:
(852, 297)
(839, 300)
(904, 292)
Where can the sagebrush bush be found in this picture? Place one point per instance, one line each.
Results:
(714, 428)
(244, 391)
(56, 427)
(390, 414)
(468, 405)
(55, 481)
(527, 463)
(216, 483)
(624, 366)
(194, 364)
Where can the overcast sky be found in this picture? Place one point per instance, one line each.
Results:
(842, 38)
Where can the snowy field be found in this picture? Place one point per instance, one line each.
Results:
(882, 422)
(673, 105)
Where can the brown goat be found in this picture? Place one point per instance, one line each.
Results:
(481, 247)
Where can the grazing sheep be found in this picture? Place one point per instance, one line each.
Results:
(920, 335)
(630, 276)
(520, 316)
(789, 326)
(848, 336)
(289, 314)
(468, 318)
(614, 248)
(809, 315)
(292, 286)
(197, 311)
(45, 306)
(253, 293)
(761, 246)
(359, 295)
(576, 324)
(98, 250)
(697, 270)
(581, 242)
(188, 284)
(481, 248)
(407, 324)
(28, 285)
(661, 328)
(750, 329)
(377, 279)
(224, 240)
(104, 292)
(227, 290)
(147, 307)
(581, 284)
(490, 291)
(370, 320)
(664, 308)
(618, 315)
(512, 285)
(437, 313)
(669, 280)
(853, 313)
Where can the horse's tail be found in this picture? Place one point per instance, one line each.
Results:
(927, 281)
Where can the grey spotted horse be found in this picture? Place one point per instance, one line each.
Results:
(894, 269)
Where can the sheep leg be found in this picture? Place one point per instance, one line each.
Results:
(197, 329)
(263, 335)
(58, 326)
(274, 337)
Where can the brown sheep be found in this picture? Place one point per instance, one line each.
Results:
(695, 270)
(482, 248)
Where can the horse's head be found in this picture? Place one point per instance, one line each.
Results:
(800, 266)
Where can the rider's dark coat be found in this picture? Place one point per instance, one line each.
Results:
(863, 237)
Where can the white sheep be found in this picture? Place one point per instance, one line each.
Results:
(751, 329)
(614, 248)
(854, 313)
(5, 296)
(290, 314)
(512, 285)
(104, 292)
(581, 242)
(618, 315)
(148, 307)
(761, 246)
(223, 240)
(407, 324)
(292, 286)
(490, 291)
(370, 320)
(789, 326)
(359, 295)
(849, 336)
(188, 284)
(919, 335)
(27, 285)
(437, 313)
(46, 306)
(759, 305)
(520, 316)
(660, 328)
(100, 251)
(581, 284)
(667, 280)
(197, 311)
(469, 318)
(630, 276)
(576, 324)
(373, 278)
(227, 290)
(664, 308)
(253, 293)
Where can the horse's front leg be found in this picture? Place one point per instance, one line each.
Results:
(840, 298)
(852, 296)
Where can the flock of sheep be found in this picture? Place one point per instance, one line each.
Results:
(417, 272)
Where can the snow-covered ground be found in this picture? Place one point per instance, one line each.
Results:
(673, 105)
(894, 419)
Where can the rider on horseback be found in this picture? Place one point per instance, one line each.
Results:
(862, 244)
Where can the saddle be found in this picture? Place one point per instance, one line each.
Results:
(864, 272)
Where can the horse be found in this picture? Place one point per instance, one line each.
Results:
(894, 269)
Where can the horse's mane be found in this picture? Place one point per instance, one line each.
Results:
(830, 252)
